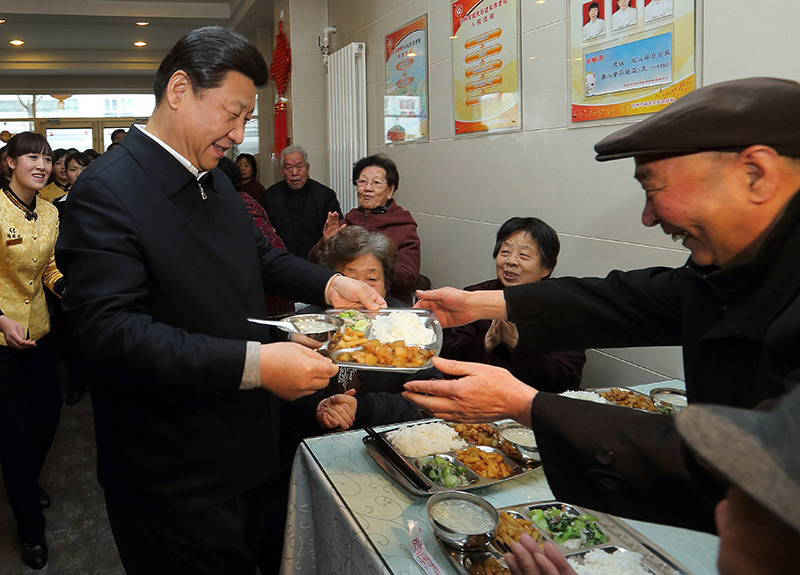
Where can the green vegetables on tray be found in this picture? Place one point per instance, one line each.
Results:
(571, 531)
(355, 320)
(442, 472)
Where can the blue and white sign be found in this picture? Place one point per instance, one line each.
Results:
(639, 64)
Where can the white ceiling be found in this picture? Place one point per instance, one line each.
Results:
(87, 45)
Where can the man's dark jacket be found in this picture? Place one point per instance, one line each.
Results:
(160, 285)
(299, 215)
(740, 332)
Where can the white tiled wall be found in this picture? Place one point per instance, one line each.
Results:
(460, 191)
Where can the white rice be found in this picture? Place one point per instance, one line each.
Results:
(403, 325)
(426, 438)
(620, 562)
(585, 395)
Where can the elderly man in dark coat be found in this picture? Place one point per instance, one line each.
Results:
(721, 171)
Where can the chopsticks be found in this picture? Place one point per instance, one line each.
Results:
(402, 465)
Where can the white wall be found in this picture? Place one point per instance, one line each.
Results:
(461, 190)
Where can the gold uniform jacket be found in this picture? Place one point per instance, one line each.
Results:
(27, 258)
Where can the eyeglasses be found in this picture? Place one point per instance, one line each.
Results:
(362, 183)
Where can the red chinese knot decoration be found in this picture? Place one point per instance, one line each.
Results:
(281, 67)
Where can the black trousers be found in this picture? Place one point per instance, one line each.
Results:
(30, 408)
(217, 540)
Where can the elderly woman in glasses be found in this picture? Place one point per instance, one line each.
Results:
(376, 179)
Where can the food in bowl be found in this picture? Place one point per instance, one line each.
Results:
(462, 516)
(568, 530)
(424, 439)
(488, 464)
(443, 472)
(462, 520)
(521, 436)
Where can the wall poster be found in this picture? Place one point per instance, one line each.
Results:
(406, 96)
(485, 38)
(630, 56)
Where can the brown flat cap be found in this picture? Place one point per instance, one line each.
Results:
(725, 117)
(755, 450)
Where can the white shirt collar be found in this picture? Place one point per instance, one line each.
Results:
(184, 162)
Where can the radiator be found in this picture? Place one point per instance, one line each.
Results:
(347, 119)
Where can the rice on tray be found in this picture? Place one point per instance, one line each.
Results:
(425, 438)
(585, 395)
(401, 325)
(620, 562)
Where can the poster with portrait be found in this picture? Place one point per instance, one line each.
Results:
(406, 94)
(639, 65)
(657, 9)
(623, 14)
(594, 19)
(486, 97)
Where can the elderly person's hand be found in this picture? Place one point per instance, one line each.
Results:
(508, 334)
(337, 411)
(14, 333)
(346, 292)
(493, 336)
(331, 227)
(456, 307)
(482, 393)
(527, 558)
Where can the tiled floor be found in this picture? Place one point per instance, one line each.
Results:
(78, 535)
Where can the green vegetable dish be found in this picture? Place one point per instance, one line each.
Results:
(442, 472)
(571, 531)
(355, 320)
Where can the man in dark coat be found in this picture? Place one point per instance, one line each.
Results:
(165, 266)
(721, 172)
(299, 206)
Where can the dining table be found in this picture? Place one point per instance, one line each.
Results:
(347, 516)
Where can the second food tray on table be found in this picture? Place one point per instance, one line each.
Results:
(621, 538)
(413, 473)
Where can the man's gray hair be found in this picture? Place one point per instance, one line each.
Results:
(294, 150)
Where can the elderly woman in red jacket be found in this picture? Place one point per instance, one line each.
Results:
(376, 179)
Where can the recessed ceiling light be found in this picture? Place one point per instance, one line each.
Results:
(142, 23)
(17, 42)
(139, 44)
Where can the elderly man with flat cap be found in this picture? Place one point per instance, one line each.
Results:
(720, 171)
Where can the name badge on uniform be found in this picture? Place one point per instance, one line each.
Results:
(13, 237)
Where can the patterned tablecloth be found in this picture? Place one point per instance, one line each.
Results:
(346, 516)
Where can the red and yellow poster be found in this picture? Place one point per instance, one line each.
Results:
(485, 66)
(630, 56)
(406, 95)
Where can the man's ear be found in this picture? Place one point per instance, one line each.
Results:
(178, 87)
(761, 165)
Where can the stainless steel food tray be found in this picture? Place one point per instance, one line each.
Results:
(428, 319)
(620, 536)
(518, 467)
